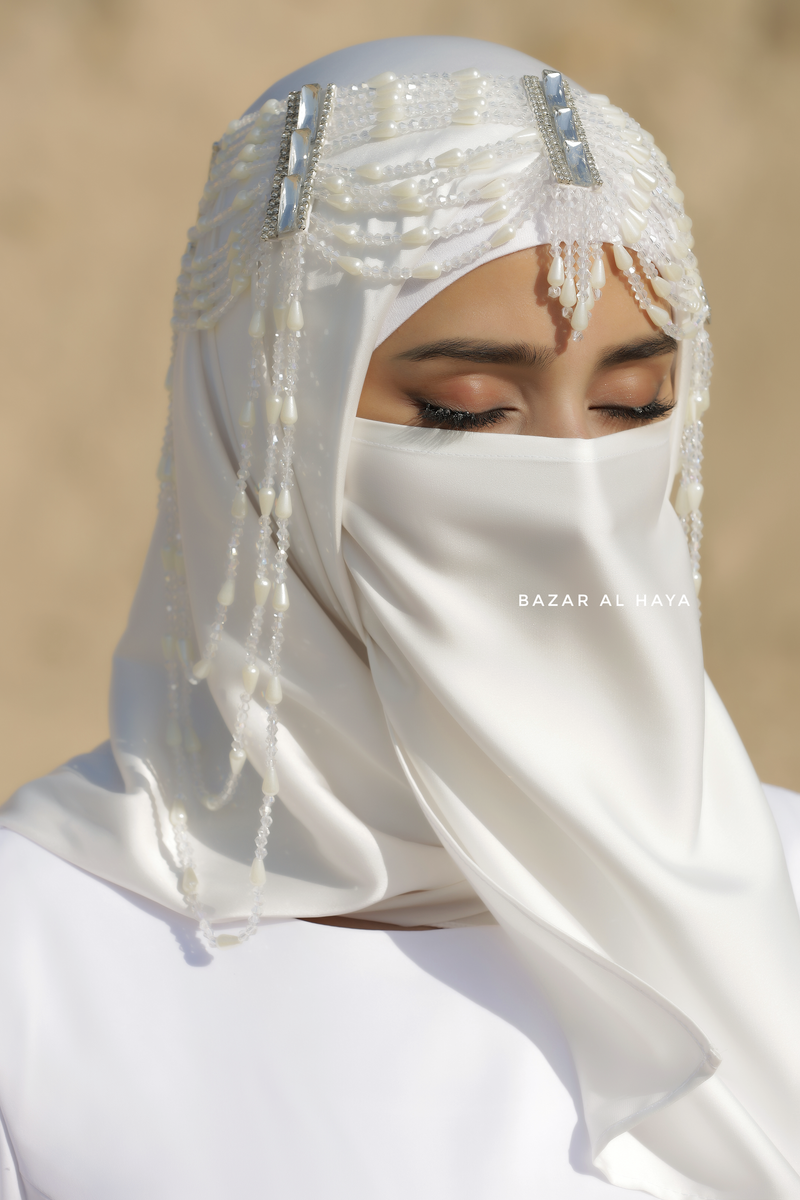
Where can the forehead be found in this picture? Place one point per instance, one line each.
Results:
(507, 300)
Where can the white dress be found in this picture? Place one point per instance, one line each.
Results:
(312, 1063)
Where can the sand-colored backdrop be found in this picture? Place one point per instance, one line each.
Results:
(109, 108)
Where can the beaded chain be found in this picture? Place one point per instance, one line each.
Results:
(638, 210)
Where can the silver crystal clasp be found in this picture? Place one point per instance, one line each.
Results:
(289, 203)
(560, 125)
(575, 155)
(553, 85)
(307, 113)
(308, 110)
(298, 152)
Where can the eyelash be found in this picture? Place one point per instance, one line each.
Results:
(453, 418)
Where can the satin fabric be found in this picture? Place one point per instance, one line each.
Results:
(446, 756)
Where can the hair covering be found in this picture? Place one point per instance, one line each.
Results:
(446, 754)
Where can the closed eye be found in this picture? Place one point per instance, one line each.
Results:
(455, 418)
(644, 412)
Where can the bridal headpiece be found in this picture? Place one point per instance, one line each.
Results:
(283, 192)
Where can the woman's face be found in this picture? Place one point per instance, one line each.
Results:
(492, 352)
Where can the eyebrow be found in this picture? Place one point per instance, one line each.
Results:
(649, 347)
(514, 354)
(522, 354)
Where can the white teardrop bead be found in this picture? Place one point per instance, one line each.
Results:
(682, 503)
(386, 129)
(226, 593)
(250, 678)
(371, 172)
(334, 183)
(258, 326)
(556, 275)
(178, 815)
(173, 735)
(421, 236)
(661, 287)
(531, 134)
(347, 233)
(466, 73)
(479, 162)
(189, 882)
(273, 693)
(639, 199)
(568, 293)
(580, 316)
(269, 784)
(201, 668)
(672, 271)
(658, 315)
(622, 258)
(239, 506)
(261, 590)
(703, 402)
(237, 758)
(294, 318)
(427, 271)
(683, 223)
(379, 81)
(471, 87)
(258, 876)
(397, 112)
(406, 187)
(239, 284)
(248, 152)
(242, 170)
(283, 505)
(697, 579)
(589, 299)
(388, 97)
(289, 411)
(273, 406)
(247, 417)
(266, 499)
(224, 940)
(413, 204)
(498, 187)
(495, 212)
(279, 317)
(450, 158)
(597, 275)
(243, 199)
(630, 230)
(678, 249)
(644, 179)
(466, 116)
(502, 235)
(344, 203)
(695, 494)
(639, 154)
(280, 598)
(272, 107)
(353, 266)
(676, 194)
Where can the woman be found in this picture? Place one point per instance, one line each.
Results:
(459, 725)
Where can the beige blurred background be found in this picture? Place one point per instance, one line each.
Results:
(109, 108)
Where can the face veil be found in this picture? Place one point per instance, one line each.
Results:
(441, 753)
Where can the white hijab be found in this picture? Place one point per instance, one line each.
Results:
(448, 753)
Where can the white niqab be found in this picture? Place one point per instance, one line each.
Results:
(447, 754)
